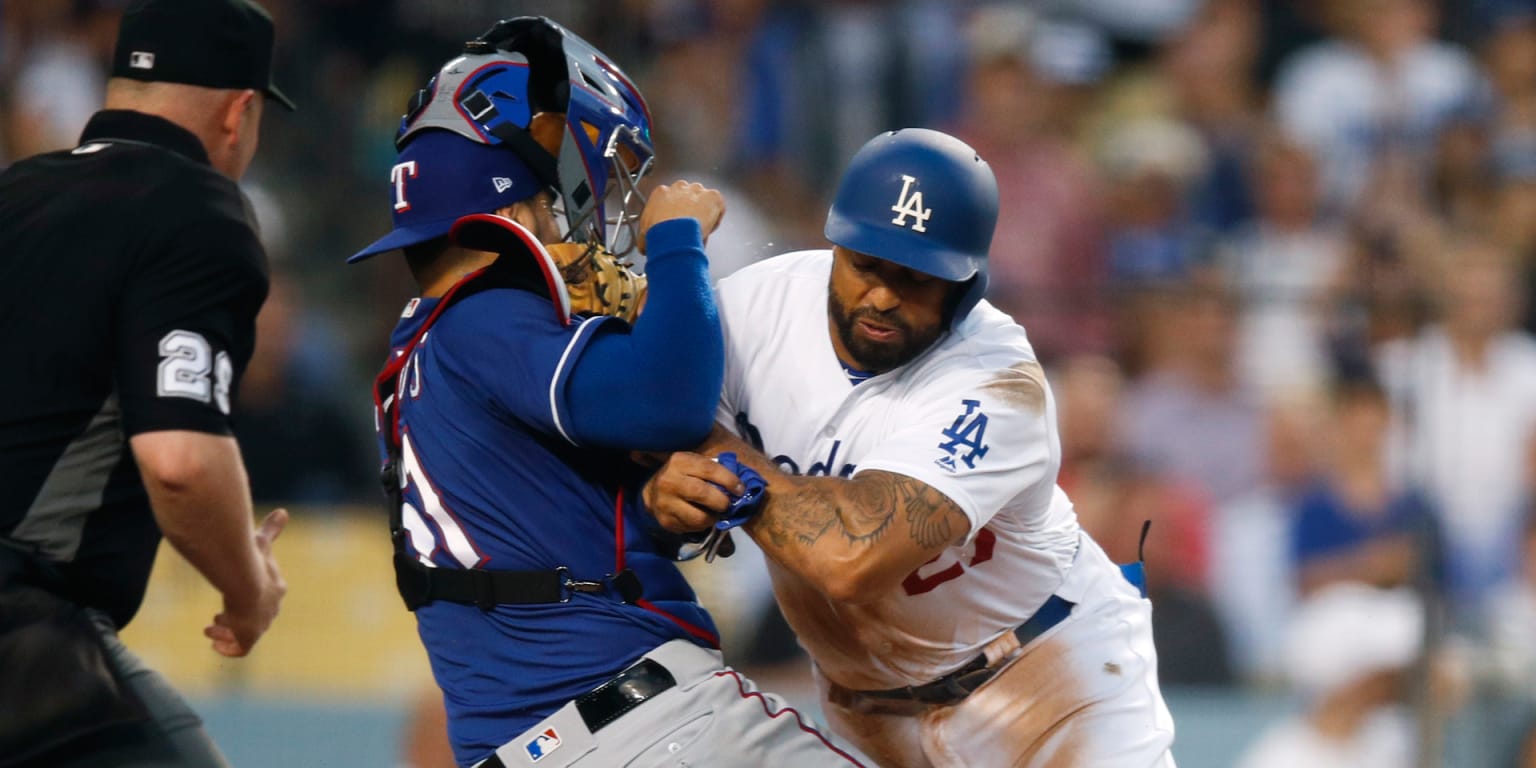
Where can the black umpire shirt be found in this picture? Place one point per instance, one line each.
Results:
(130, 278)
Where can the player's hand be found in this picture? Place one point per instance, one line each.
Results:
(683, 495)
(682, 200)
(246, 617)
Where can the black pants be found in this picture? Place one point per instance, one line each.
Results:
(166, 733)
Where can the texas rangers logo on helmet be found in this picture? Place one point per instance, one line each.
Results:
(910, 203)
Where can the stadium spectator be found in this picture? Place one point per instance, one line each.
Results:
(1209, 68)
(1462, 396)
(1349, 652)
(1190, 415)
(60, 83)
(1350, 523)
(1371, 102)
(1251, 574)
(1048, 267)
(1283, 264)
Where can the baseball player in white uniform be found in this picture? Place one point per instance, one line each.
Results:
(955, 612)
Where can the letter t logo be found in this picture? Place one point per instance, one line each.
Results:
(398, 175)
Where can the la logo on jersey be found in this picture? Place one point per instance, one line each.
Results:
(397, 176)
(910, 203)
(967, 432)
(542, 744)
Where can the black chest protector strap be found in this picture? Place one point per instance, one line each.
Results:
(420, 584)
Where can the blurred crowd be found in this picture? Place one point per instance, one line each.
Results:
(1277, 256)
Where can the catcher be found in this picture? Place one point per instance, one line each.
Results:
(558, 629)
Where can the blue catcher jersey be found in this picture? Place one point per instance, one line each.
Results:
(493, 479)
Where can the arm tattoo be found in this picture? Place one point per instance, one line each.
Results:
(861, 510)
(803, 511)
(928, 513)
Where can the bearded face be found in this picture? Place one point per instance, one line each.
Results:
(882, 314)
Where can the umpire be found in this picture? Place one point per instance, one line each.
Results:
(130, 278)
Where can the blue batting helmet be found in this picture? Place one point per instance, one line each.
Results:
(528, 65)
(924, 200)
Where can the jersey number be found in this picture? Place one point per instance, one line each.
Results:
(186, 360)
(916, 584)
(454, 539)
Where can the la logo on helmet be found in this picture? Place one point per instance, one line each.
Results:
(910, 203)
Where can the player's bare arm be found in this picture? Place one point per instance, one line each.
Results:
(861, 511)
(853, 539)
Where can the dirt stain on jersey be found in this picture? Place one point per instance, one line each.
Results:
(891, 740)
(864, 646)
(1021, 386)
(1024, 716)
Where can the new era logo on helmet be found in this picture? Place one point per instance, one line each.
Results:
(141, 60)
(502, 183)
(910, 203)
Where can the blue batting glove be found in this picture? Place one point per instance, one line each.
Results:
(742, 507)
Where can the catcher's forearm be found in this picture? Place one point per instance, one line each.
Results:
(655, 387)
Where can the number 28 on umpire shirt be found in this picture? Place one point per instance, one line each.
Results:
(130, 278)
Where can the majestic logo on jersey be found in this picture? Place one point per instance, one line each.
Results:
(542, 744)
(397, 176)
(967, 432)
(910, 203)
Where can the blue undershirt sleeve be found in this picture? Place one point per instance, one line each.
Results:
(655, 386)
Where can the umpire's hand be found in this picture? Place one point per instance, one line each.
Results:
(246, 617)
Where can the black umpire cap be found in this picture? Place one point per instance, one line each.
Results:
(224, 44)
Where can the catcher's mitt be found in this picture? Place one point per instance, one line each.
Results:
(598, 282)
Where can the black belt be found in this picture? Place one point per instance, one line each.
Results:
(613, 699)
(955, 686)
(419, 585)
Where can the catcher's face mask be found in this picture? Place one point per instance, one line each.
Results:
(613, 218)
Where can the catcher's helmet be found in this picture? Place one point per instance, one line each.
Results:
(924, 200)
(529, 65)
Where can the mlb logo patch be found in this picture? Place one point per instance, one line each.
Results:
(410, 308)
(542, 744)
(141, 60)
